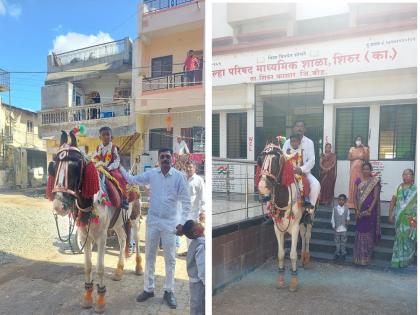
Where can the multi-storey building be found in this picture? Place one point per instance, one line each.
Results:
(169, 103)
(346, 74)
(23, 159)
(91, 86)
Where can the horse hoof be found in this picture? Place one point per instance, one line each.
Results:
(100, 304)
(117, 276)
(139, 269)
(87, 301)
(99, 309)
(293, 284)
(281, 283)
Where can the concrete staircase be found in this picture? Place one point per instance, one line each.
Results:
(322, 244)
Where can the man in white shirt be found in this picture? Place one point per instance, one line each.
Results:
(340, 218)
(308, 157)
(181, 147)
(196, 189)
(168, 187)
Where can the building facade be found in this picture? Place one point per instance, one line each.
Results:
(345, 75)
(169, 102)
(23, 160)
(91, 86)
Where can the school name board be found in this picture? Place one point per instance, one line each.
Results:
(352, 55)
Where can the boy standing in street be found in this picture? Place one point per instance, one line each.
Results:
(196, 266)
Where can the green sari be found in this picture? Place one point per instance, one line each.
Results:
(405, 226)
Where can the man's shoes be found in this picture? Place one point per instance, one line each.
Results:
(170, 300)
(145, 296)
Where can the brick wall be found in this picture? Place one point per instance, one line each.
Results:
(239, 248)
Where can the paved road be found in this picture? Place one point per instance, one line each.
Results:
(39, 275)
(324, 288)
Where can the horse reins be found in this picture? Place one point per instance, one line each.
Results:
(62, 170)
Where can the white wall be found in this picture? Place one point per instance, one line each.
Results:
(381, 83)
(220, 26)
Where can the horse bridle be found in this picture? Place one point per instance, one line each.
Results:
(267, 164)
(62, 168)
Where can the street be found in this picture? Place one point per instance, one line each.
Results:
(40, 275)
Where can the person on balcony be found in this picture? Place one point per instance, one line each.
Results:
(191, 65)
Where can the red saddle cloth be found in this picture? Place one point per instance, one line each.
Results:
(288, 178)
(115, 195)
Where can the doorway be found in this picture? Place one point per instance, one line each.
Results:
(279, 105)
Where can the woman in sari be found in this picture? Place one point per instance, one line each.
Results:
(328, 165)
(405, 215)
(366, 200)
(357, 155)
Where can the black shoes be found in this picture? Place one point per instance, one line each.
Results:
(145, 296)
(170, 300)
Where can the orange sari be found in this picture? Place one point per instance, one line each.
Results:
(357, 156)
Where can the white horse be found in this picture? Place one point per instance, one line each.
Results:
(284, 207)
(68, 197)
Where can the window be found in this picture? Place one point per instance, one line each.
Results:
(161, 66)
(216, 134)
(236, 135)
(160, 138)
(29, 126)
(397, 132)
(351, 122)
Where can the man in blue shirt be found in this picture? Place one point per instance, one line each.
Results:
(168, 187)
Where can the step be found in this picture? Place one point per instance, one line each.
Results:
(328, 234)
(326, 213)
(324, 223)
(324, 246)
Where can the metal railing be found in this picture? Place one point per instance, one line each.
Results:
(85, 113)
(234, 195)
(174, 80)
(156, 5)
(92, 53)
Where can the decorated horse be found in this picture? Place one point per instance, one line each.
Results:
(75, 188)
(277, 182)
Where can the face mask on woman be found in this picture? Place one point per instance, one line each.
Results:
(358, 143)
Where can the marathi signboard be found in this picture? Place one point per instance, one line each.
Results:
(351, 55)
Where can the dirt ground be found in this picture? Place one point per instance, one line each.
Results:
(40, 275)
(324, 288)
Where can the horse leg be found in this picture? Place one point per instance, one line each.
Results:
(100, 301)
(87, 301)
(302, 230)
(136, 229)
(307, 240)
(119, 229)
(293, 257)
(280, 242)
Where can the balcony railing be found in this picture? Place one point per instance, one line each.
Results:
(93, 53)
(174, 80)
(156, 5)
(85, 113)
